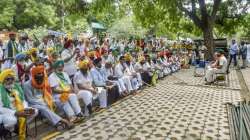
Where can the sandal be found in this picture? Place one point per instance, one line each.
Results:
(60, 126)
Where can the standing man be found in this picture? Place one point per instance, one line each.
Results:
(10, 51)
(11, 48)
(233, 53)
(1, 53)
(243, 53)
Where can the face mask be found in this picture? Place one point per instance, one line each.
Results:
(39, 79)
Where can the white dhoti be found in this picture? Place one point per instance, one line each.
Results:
(102, 97)
(87, 98)
(127, 82)
(119, 85)
(9, 120)
(210, 74)
(122, 85)
(71, 107)
(139, 79)
(160, 73)
(47, 113)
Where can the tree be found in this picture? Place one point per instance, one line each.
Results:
(205, 14)
(7, 10)
(126, 27)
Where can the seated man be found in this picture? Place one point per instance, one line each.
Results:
(83, 83)
(130, 71)
(39, 96)
(163, 62)
(120, 72)
(142, 68)
(63, 91)
(219, 67)
(13, 107)
(99, 81)
(108, 73)
(158, 68)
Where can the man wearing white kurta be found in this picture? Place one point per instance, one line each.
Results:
(86, 90)
(10, 94)
(61, 83)
(108, 73)
(220, 68)
(119, 72)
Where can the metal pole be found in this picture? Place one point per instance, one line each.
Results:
(241, 122)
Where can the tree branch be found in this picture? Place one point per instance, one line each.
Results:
(203, 9)
(192, 15)
(215, 8)
(193, 6)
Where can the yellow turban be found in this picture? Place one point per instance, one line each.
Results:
(127, 57)
(91, 54)
(32, 50)
(83, 64)
(50, 50)
(5, 73)
(141, 58)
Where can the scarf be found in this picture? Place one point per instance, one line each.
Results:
(5, 99)
(17, 93)
(45, 87)
(62, 80)
(20, 71)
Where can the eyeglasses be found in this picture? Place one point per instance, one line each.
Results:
(9, 79)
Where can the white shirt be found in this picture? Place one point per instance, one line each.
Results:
(86, 81)
(54, 80)
(138, 67)
(119, 70)
(81, 48)
(223, 63)
(69, 67)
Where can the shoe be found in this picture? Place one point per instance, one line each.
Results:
(208, 83)
(64, 124)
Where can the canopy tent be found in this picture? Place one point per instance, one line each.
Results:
(97, 26)
(56, 33)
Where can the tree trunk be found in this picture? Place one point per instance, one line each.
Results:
(209, 41)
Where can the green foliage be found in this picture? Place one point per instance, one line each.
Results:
(7, 10)
(30, 13)
(126, 27)
(166, 16)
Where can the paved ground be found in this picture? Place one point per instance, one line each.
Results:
(179, 107)
(246, 75)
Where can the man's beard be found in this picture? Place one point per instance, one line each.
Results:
(39, 82)
(84, 71)
(9, 86)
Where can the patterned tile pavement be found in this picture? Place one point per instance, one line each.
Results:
(169, 111)
(246, 75)
(186, 76)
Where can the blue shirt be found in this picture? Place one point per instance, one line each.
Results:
(233, 49)
(98, 77)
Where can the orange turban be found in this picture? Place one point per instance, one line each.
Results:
(44, 86)
(34, 71)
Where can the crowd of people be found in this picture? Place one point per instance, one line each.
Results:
(58, 74)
